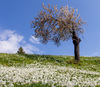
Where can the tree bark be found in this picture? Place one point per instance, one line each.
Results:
(76, 42)
(76, 50)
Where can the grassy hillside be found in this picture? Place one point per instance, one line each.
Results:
(48, 71)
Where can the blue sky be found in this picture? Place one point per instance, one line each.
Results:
(15, 18)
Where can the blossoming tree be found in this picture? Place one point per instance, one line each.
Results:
(56, 25)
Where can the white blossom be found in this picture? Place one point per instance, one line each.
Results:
(36, 72)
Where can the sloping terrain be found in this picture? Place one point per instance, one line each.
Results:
(48, 71)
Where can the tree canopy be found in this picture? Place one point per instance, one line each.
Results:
(56, 25)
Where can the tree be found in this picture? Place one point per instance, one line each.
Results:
(56, 25)
(20, 51)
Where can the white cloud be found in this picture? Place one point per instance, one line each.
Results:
(34, 40)
(10, 42)
(30, 48)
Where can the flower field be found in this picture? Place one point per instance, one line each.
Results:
(23, 71)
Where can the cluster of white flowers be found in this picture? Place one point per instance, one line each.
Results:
(52, 74)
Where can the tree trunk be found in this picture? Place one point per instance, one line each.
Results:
(76, 50)
(76, 42)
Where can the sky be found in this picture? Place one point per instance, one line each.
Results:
(15, 31)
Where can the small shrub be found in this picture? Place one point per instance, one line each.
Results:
(21, 51)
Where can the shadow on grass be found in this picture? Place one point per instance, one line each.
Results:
(73, 61)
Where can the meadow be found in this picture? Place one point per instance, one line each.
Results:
(48, 71)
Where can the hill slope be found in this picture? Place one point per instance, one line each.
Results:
(48, 71)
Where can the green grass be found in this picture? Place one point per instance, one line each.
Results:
(39, 84)
(86, 63)
(90, 63)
